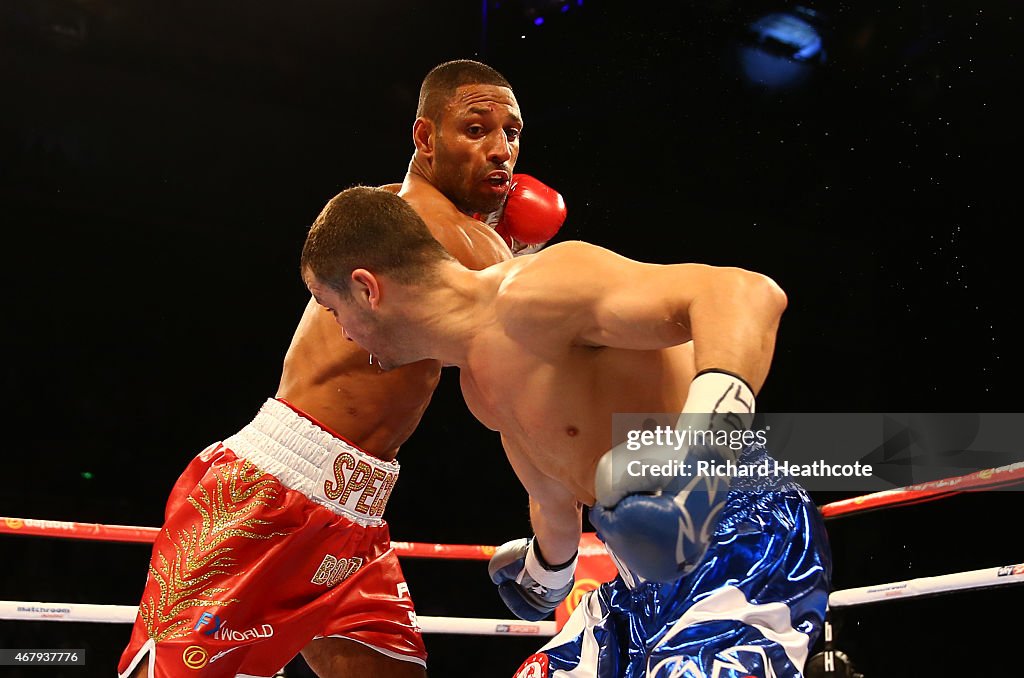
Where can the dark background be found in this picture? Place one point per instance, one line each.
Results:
(160, 163)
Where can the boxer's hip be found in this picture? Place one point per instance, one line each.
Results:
(284, 442)
(769, 528)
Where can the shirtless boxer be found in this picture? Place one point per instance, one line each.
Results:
(274, 540)
(711, 583)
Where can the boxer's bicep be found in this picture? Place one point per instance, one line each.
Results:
(617, 302)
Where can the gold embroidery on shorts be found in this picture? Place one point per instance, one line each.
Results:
(199, 551)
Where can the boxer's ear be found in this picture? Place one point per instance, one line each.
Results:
(423, 136)
(366, 288)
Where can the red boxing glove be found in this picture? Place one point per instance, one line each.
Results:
(533, 212)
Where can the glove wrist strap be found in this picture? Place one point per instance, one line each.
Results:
(543, 575)
(716, 391)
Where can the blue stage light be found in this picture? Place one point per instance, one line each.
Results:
(782, 49)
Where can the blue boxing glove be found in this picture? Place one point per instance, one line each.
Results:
(660, 525)
(530, 587)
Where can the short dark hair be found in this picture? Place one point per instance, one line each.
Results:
(441, 82)
(370, 228)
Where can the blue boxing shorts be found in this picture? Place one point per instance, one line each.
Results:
(754, 607)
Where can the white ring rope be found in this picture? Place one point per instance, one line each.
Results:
(911, 588)
(926, 586)
(125, 614)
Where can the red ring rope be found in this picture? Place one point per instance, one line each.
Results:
(147, 535)
(988, 479)
(993, 478)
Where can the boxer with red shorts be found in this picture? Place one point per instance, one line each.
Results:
(274, 541)
(273, 537)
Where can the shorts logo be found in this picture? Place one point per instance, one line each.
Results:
(195, 657)
(218, 628)
(208, 619)
(534, 667)
(726, 663)
(333, 571)
(370, 484)
(1010, 570)
(223, 652)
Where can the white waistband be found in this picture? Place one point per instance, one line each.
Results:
(308, 459)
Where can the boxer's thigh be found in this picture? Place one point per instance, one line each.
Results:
(340, 657)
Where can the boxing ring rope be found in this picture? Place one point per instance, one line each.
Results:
(987, 479)
(125, 614)
(79, 612)
(147, 535)
(929, 586)
(832, 662)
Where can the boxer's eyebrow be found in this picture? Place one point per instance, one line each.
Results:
(484, 110)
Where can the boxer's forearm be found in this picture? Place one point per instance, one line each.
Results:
(734, 324)
(557, 525)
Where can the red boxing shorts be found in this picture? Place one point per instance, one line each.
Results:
(272, 538)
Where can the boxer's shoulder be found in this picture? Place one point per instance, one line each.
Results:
(473, 243)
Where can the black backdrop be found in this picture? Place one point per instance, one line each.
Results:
(161, 162)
